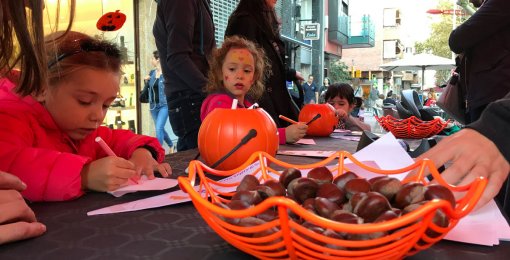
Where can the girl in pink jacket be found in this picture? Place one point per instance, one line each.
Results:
(48, 140)
(237, 72)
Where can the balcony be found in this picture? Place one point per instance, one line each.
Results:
(351, 33)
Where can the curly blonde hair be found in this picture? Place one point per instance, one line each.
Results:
(262, 67)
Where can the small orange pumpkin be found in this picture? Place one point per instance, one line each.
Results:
(325, 124)
(223, 129)
(111, 21)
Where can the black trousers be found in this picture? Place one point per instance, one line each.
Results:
(184, 115)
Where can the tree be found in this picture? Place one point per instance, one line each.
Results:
(437, 43)
(339, 72)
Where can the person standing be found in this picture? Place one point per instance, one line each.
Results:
(157, 100)
(389, 99)
(311, 91)
(184, 33)
(256, 21)
(485, 41)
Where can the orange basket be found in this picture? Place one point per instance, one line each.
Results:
(288, 239)
(411, 127)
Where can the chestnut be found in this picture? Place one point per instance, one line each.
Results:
(251, 197)
(288, 175)
(270, 189)
(331, 192)
(321, 175)
(309, 204)
(387, 215)
(268, 215)
(238, 205)
(387, 186)
(371, 206)
(325, 207)
(356, 185)
(302, 189)
(334, 235)
(341, 179)
(233, 221)
(249, 182)
(375, 179)
(409, 193)
(351, 204)
(436, 191)
(345, 217)
(249, 222)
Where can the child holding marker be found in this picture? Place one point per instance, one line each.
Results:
(48, 140)
(341, 97)
(237, 72)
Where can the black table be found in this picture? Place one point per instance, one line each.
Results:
(173, 232)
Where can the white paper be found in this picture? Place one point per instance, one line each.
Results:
(144, 184)
(174, 197)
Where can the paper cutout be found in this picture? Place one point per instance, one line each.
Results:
(145, 184)
(319, 154)
(305, 141)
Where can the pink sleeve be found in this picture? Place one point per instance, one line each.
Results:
(282, 136)
(214, 101)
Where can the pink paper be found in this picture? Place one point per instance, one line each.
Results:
(305, 141)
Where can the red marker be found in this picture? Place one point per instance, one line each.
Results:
(109, 151)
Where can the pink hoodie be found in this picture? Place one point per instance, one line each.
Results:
(33, 148)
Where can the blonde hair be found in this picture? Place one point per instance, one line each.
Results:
(215, 75)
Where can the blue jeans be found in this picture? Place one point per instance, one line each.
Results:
(160, 116)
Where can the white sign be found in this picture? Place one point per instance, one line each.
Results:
(312, 31)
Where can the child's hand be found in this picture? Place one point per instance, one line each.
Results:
(145, 164)
(341, 114)
(295, 132)
(107, 174)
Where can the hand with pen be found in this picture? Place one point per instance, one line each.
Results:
(112, 172)
(295, 131)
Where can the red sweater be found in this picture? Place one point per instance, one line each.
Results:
(223, 100)
(33, 148)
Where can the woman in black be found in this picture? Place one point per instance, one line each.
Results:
(256, 21)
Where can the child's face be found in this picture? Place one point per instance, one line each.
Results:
(341, 104)
(79, 104)
(238, 70)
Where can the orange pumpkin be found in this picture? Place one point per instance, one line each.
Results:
(223, 129)
(111, 21)
(325, 124)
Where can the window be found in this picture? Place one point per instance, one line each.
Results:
(391, 17)
(390, 49)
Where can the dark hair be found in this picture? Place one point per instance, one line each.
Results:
(155, 54)
(23, 28)
(264, 15)
(342, 90)
(77, 50)
(390, 93)
(218, 57)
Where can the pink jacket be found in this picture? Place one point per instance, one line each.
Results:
(223, 100)
(33, 148)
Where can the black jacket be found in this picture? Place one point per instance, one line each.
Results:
(184, 33)
(276, 99)
(485, 40)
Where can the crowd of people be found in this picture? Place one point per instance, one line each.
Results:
(55, 92)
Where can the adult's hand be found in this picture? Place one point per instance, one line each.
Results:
(299, 76)
(17, 220)
(471, 155)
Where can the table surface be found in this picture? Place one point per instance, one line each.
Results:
(172, 232)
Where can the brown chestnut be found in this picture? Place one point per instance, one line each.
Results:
(325, 207)
(409, 193)
(288, 175)
(249, 222)
(387, 186)
(249, 182)
(341, 179)
(321, 175)
(302, 189)
(386, 216)
(233, 221)
(356, 185)
(238, 205)
(331, 192)
(371, 206)
(268, 215)
(351, 204)
(249, 196)
(436, 191)
(346, 217)
(270, 188)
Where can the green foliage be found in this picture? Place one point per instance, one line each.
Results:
(437, 43)
(339, 72)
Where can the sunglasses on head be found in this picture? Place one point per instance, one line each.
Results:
(89, 46)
